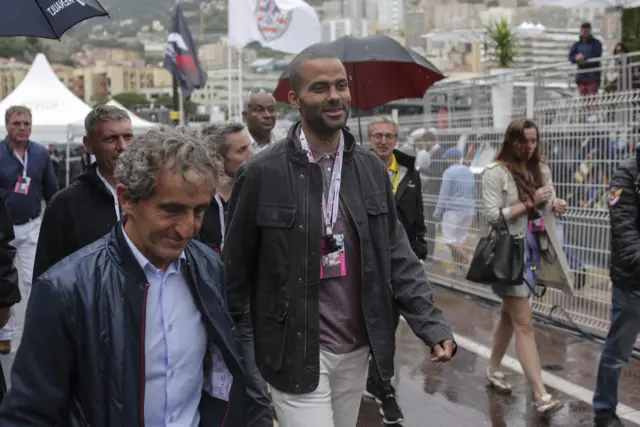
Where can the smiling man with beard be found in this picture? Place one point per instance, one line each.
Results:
(315, 248)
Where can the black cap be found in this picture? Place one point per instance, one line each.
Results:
(586, 25)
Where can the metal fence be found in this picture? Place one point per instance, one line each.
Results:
(583, 137)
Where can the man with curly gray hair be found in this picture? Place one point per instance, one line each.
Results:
(140, 313)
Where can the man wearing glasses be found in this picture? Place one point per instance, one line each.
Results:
(383, 139)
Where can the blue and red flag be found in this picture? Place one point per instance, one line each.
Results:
(181, 58)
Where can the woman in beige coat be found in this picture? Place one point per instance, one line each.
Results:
(518, 187)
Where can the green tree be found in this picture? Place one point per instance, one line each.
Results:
(129, 99)
(99, 99)
(631, 28)
(503, 41)
(190, 107)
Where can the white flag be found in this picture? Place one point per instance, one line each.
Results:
(288, 26)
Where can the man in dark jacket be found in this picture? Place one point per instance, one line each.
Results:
(133, 329)
(9, 289)
(232, 146)
(405, 180)
(315, 247)
(624, 211)
(87, 209)
(589, 72)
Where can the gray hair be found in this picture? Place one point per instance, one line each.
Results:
(138, 166)
(103, 113)
(16, 109)
(382, 120)
(246, 100)
(208, 130)
(219, 141)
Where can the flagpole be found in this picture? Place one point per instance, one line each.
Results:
(240, 84)
(176, 97)
(181, 108)
(229, 82)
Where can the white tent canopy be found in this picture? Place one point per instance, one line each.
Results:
(53, 106)
(136, 122)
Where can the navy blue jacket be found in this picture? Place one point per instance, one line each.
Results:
(44, 182)
(81, 360)
(591, 48)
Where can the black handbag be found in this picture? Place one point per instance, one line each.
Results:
(499, 258)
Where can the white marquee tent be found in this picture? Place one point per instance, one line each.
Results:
(53, 106)
(137, 123)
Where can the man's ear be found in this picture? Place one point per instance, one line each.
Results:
(293, 100)
(87, 144)
(126, 205)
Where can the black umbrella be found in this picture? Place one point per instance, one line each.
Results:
(48, 19)
(380, 70)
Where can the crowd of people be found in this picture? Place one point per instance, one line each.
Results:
(222, 277)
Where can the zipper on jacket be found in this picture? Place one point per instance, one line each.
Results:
(144, 327)
(306, 259)
(210, 318)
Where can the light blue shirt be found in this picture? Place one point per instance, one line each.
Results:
(457, 192)
(175, 347)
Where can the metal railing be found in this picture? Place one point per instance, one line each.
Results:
(584, 139)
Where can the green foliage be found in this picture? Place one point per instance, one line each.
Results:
(21, 48)
(503, 41)
(129, 99)
(99, 99)
(631, 28)
(265, 52)
(115, 44)
(190, 107)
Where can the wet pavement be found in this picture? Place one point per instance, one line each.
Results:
(456, 393)
(439, 395)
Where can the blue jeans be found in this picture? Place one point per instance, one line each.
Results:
(259, 411)
(625, 326)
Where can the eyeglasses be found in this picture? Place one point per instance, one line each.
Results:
(388, 136)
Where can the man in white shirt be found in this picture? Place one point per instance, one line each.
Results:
(259, 114)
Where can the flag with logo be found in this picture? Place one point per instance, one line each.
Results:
(288, 26)
(180, 57)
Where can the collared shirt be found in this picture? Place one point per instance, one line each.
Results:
(44, 183)
(175, 347)
(394, 173)
(254, 145)
(457, 192)
(114, 194)
(342, 325)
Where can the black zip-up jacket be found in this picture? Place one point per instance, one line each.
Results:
(9, 289)
(211, 230)
(76, 217)
(272, 260)
(81, 361)
(624, 212)
(410, 206)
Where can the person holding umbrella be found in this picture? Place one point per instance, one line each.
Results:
(315, 248)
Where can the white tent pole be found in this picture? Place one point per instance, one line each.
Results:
(240, 84)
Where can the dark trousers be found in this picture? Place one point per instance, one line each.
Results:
(624, 330)
(374, 380)
(259, 411)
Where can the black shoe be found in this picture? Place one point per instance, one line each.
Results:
(389, 409)
(371, 391)
(608, 421)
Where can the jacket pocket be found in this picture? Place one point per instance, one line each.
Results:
(271, 333)
(378, 217)
(277, 237)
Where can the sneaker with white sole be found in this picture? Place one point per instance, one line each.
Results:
(497, 381)
(548, 404)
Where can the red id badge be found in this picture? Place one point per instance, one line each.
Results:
(22, 185)
(335, 263)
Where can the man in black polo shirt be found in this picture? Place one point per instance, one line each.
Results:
(26, 176)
